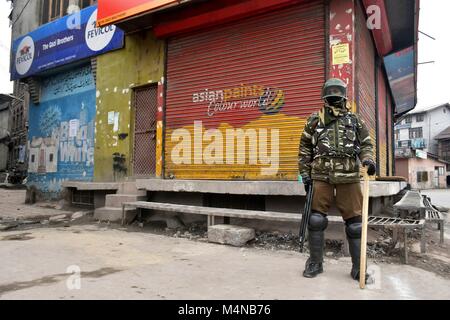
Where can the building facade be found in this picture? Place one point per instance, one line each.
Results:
(237, 90)
(5, 133)
(207, 99)
(56, 61)
(419, 128)
(420, 139)
(423, 173)
(443, 140)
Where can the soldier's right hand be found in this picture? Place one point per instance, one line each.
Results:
(371, 167)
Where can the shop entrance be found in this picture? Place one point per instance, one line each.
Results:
(145, 105)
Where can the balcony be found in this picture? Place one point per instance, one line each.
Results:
(418, 143)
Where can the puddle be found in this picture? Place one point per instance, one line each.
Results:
(5, 288)
(17, 237)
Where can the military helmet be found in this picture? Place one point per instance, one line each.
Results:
(334, 91)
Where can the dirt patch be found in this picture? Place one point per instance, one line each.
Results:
(381, 250)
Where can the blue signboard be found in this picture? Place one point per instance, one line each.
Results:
(63, 41)
(401, 74)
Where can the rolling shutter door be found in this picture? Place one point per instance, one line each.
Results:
(260, 78)
(365, 74)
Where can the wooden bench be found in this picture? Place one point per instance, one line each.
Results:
(212, 212)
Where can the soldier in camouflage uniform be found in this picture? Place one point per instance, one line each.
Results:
(333, 144)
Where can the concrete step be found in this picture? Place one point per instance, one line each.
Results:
(114, 214)
(116, 200)
(130, 188)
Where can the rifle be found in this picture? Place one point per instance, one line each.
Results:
(305, 217)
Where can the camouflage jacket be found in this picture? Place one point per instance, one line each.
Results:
(333, 153)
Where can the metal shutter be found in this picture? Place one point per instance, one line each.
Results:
(382, 124)
(365, 74)
(390, 128)
(279, 56)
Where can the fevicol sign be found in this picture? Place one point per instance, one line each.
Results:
(24, 55)
(68, 39)
(98, 38)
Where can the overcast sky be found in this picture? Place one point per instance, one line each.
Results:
(433, 79)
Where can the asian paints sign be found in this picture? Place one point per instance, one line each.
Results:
(241, 98)
(61, 131)
(63, 41)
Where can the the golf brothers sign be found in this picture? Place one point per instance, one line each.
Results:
(63, 41)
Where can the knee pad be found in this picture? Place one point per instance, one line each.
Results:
(353, 220)
(317, 222)
(353, 230)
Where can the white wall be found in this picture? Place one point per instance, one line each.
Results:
(434, 122)
(437, 122)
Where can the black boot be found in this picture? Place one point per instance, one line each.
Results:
(314, 265)
(316, 240)
(355, 252)
(353, 231)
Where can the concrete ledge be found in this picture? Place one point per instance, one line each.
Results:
(83, 185)
(273, 188)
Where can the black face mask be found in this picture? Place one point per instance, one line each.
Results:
(335, 101)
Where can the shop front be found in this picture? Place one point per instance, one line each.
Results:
(55, 61)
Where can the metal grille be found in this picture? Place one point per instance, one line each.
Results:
(83, 197)
(384, 221)
(145, 131)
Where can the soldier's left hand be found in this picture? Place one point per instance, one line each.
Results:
(371, 168)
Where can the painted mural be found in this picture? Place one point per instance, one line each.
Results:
(61, 132)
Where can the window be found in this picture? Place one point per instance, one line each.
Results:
(397, 134)
(33, 158)
(419, 117)
(50, 158)
(422, 176)
(415, 133)
(404, 143)
(445, 150)
(440, 170)
(408, 119)
(54, 9)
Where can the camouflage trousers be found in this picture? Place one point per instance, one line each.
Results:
(349, 198)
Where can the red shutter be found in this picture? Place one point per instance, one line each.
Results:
(365, 73)
(279, 56)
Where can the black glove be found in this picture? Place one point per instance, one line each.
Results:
(371, 168)
(307, 182)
